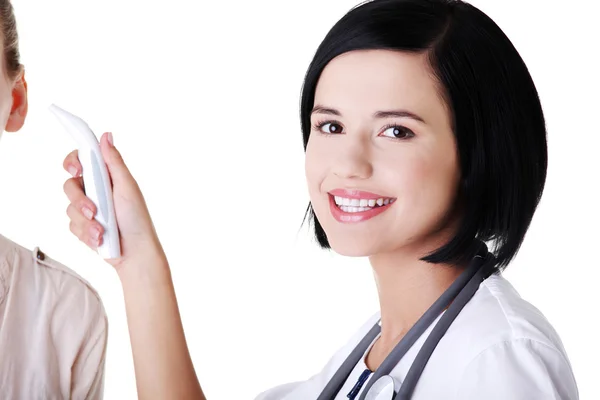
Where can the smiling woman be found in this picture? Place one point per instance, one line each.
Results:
(425, 137)
(425, 143)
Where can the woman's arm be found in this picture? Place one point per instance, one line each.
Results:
(163, 366)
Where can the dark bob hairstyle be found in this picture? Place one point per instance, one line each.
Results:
(496, 113)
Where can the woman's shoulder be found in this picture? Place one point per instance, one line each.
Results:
(510, 347)
(508, 344)
(498, 313)
(35, 276)
(499, 346)
(54, 326)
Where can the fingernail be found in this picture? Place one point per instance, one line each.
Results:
(109, 136)
(95, 233)
(73, 171)
(88, 213)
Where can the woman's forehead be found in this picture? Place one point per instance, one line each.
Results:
(369, 81)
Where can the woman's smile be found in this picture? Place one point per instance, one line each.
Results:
(350, 206)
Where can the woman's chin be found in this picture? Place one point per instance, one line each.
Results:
(352, 248)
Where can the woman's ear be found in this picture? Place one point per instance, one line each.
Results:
(18, 112)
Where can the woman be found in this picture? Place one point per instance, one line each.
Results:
(424, 138)
(53, 329)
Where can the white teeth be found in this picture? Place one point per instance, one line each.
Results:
(350, 209)
(358, 205)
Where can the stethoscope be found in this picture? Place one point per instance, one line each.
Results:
(382, 386)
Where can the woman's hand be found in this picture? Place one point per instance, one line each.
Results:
(163, 366)
(139, 241)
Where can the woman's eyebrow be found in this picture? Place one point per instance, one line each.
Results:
(398, 114)
(319, 109)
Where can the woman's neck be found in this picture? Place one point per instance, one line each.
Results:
(407, 287)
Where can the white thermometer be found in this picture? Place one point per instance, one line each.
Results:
(95, 179)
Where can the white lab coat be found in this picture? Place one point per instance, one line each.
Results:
(499, 347)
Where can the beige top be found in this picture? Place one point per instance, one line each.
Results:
(53, 329)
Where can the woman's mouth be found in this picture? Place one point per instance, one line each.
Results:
(350, 206)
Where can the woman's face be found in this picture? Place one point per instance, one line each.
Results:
(382, 146)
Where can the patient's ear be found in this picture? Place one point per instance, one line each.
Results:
(18, 112)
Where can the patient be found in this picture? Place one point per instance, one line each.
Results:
(53, 328)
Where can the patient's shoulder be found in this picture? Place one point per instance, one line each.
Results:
(26, 272)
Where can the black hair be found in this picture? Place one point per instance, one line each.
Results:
(497, 117)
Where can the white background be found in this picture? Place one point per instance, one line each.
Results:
(203, 102)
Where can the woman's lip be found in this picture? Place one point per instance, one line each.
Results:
(346, 217)
(357, 194)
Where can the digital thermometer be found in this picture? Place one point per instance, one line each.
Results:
(96, 180)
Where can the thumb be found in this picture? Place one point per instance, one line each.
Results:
(117, 169)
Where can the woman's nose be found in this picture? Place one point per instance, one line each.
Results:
(353, 160)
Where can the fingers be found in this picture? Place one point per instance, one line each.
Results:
(73, 188)
(81, 212)
(88, 231)
(117, 169)
(71, 164)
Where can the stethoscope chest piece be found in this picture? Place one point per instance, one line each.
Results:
(382, 389)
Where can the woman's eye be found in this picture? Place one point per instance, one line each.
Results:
(398, 132)
(330, 127)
